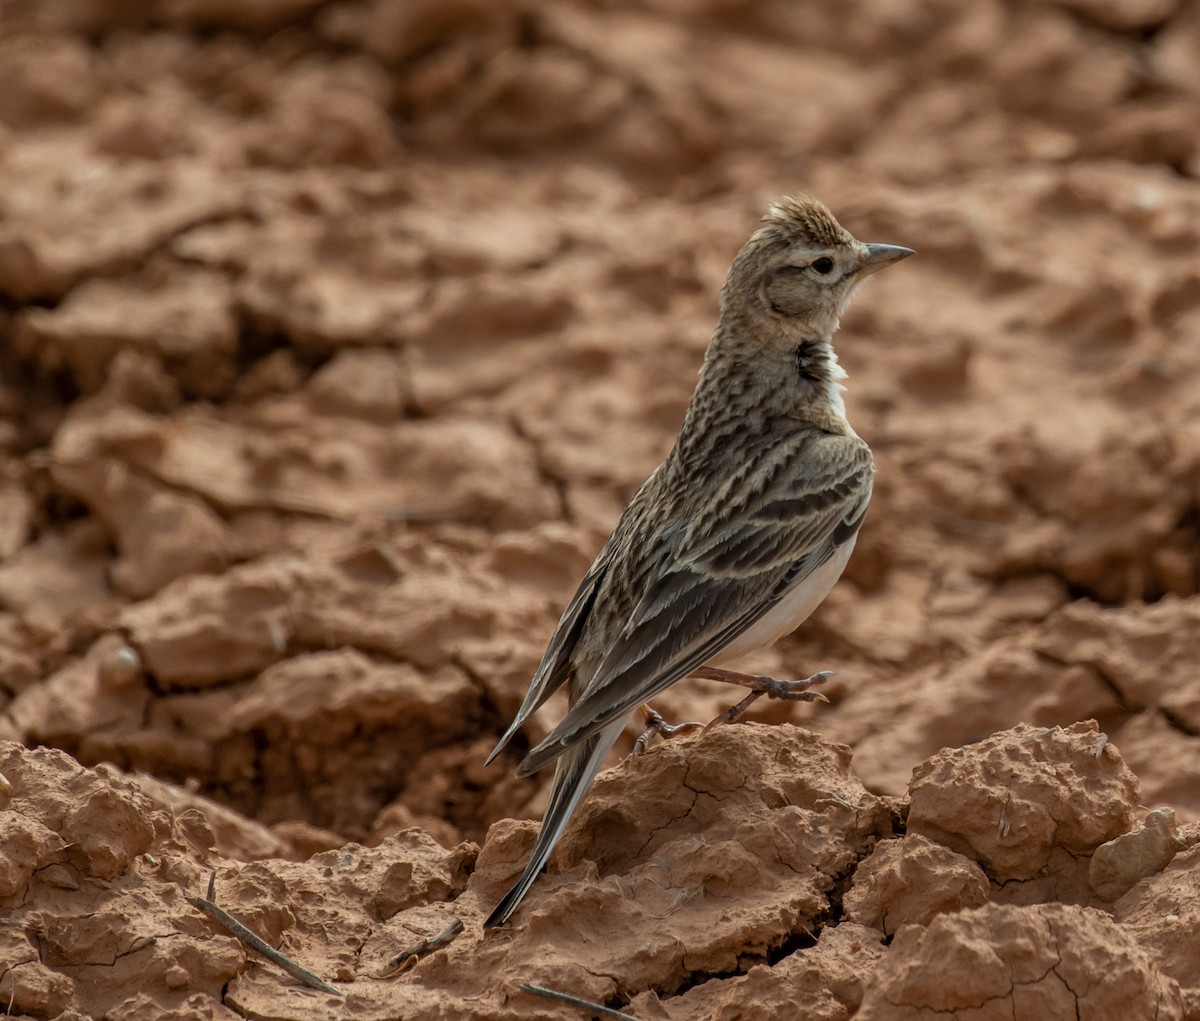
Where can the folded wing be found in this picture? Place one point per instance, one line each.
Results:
(766, 530)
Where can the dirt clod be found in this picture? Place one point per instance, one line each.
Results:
(1016, 797)
(1052, 960)
(909, 881)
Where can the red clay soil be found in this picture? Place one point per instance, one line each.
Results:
(334, 336)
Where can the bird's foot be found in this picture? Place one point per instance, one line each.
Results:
(759, 685)
(655, 724)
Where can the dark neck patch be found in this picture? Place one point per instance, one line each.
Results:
(811, 359)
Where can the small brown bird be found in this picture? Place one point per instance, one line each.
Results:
(740, 533)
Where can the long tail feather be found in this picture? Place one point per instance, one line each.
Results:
(574, 775)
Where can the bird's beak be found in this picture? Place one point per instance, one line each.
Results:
(879, 256)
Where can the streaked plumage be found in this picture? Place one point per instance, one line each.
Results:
(739, 535)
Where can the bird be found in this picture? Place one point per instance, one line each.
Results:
(742, 531)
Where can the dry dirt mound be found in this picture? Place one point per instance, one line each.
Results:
(746, 872)
(335, 334)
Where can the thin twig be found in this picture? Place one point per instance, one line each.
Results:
(408, 958)
(575, 1001)
(206, 905)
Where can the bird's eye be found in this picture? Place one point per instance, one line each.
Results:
(822, 265)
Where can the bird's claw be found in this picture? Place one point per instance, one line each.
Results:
(655, 724)
(797, 691)
(788, 691)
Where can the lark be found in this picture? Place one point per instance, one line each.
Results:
(739, 534)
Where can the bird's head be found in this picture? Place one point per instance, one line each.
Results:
(799, 270)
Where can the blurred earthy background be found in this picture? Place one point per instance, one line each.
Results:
(335, 335)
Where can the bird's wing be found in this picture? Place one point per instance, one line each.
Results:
(555, 666)
(763, 531)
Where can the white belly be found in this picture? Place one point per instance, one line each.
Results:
(792, 610)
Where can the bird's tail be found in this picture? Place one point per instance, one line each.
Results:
(574, 775)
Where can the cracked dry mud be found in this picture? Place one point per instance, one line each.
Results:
(335, 334)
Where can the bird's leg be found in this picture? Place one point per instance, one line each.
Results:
(655, 724)
(791, 691)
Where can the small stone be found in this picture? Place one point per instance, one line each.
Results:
(1121, 862)
(120, 669)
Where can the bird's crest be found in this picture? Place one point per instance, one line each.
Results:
(803, 218)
